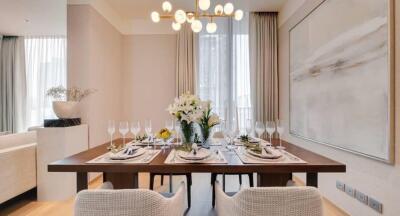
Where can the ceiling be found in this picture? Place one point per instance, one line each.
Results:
(138, 9)
(33, 17)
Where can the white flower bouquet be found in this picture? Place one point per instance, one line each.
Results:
(187, 110)
(208, 120)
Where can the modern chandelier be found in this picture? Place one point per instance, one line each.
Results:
(193, 17)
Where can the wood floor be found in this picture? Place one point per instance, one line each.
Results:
(201, 198)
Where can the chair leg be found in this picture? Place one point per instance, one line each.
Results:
(223, 182)
(170, 183)
(213, 178)
(251, 180)
(162, 179)
(240, 179)
(151, 181)
(189, 189)
(213, 194)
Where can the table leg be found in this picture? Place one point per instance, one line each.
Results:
(123, 180)
(170, 183)
(273, 179)
(312, 179)
(81, 181)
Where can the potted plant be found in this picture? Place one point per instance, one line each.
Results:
(65, 104)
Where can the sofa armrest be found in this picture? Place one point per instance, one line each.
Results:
(18, 170)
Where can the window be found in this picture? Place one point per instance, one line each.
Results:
(46, 67)
(224, 70)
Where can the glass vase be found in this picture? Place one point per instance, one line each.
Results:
(187, 131)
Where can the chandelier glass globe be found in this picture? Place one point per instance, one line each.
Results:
(219, 10)
(204, 4)
(180, 16)
(176, 26)
(238, 15)
(190, 17)
(155, 16)
(167, 6)
(211, 27)
(228, 8)
(197, 26)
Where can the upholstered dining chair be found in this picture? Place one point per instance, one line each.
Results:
(271, 201)
(129, 202)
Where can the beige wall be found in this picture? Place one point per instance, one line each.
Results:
(134, 74)
(149, 77)
(379, 180)
(95, 61)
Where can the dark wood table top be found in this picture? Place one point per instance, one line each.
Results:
(315, 163)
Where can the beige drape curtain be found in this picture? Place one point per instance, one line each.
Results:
(264, 65)
(186, 61)
(12, 84)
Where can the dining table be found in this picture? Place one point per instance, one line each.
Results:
(126, 175)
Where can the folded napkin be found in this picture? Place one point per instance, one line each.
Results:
(266, 153)
(128, 153)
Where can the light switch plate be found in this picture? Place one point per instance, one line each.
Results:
(361, 197)
(340, 185)
(349, 190)
(374, 204)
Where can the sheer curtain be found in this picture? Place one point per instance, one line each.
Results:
(46, 67)
(224, 70)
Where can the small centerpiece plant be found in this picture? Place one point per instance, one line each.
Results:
(187, 110)
(207, 121)
(65, 104)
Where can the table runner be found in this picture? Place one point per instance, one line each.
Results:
(213, 159)
(288, 158)
(146, 158)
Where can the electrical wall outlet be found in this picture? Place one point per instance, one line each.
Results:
(340, 185)
(361, 197)
(349, 190)
(374, 204)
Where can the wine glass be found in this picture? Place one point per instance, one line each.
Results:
(135, 129)
(280, 129)
(111, 131)
(260, 128)
(123, 129)
(249, 127)
(270, 126)
(169, 124)
(178, 131)
(233, 133)
(148, 128)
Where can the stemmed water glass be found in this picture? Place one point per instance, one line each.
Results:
(169, 124)
(123, 129)
(270, 126)
(148, 128)
(280, 129)
(249, 127)
(260, 128)
(111, 131)
(178, 131)
(135, 129)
